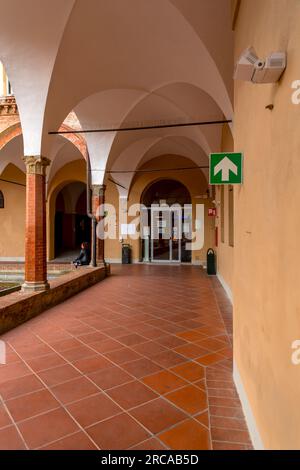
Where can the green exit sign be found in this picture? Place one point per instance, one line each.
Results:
(226, 168)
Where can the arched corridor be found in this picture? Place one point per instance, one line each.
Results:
(159, 142)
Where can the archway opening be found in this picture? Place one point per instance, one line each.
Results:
(72, 225)
(167, 222)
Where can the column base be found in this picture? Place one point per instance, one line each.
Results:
(102, 264)
(28, 287)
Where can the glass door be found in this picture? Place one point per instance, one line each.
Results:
(160, 233)
(176, 229)
(166, 229)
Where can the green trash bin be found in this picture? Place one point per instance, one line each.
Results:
(211, 262)
(126, 254)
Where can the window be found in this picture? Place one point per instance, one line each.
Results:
(222, 215)
(1, 200)
(231, 216)
(9, 88)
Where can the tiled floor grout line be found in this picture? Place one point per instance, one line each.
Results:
(90, 346)
(149, 375)
(104, 392)
(220, 312)
(233, 442)
(221, 316)
(209, 417)
(64, 437)
(222, 363)
(13, 423)
(61, 404)
(143, 442)
(225, 325)
(142, 404)
(164, 396)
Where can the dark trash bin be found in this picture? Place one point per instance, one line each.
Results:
(211, 262)
(126, 254)
(186, 255)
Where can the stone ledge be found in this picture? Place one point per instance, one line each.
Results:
(17, 308)
(20, 266)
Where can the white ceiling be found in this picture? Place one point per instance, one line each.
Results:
(119, 62)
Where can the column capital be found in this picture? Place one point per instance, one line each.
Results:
(98, 190)
(36, 164)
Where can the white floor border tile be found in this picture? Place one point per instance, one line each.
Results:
(250, 419)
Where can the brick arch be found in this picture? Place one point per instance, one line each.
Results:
(15, 130)
(9, 134)
(76, 139)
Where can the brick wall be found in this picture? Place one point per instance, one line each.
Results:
(17, 308)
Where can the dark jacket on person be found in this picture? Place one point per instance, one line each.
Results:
(84, 257)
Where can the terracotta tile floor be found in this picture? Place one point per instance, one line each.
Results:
(142, 360)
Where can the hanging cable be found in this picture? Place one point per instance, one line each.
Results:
(13, 182)
(154, 170)
(118, 184)
(143, 128)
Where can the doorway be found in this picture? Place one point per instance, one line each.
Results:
(166, 230)
(72, 226)
(165, 222)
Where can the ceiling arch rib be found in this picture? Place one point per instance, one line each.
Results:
(64, 149)
(144, 50)
(9, 134)
(129, 150)
(178, 146)
(216, 34)
(28, 52)
(167, 103)
(12, 152)
(105, 108)
(15, 130)
(181, 146)
(143, 150)
(63, 152)
(152, 46)
(112, 108)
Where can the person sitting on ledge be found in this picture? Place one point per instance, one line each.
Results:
(84, 257)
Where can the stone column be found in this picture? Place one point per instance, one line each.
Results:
(35, 230)
(98, 199)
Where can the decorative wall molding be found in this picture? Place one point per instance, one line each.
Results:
(8, 106)
(36, 165)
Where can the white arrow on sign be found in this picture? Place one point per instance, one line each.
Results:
(225, 166)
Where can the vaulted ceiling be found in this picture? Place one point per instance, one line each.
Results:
(116, 62)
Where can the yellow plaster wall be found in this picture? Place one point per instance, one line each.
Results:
(12, 217)
(71, 172)
(266, 269)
